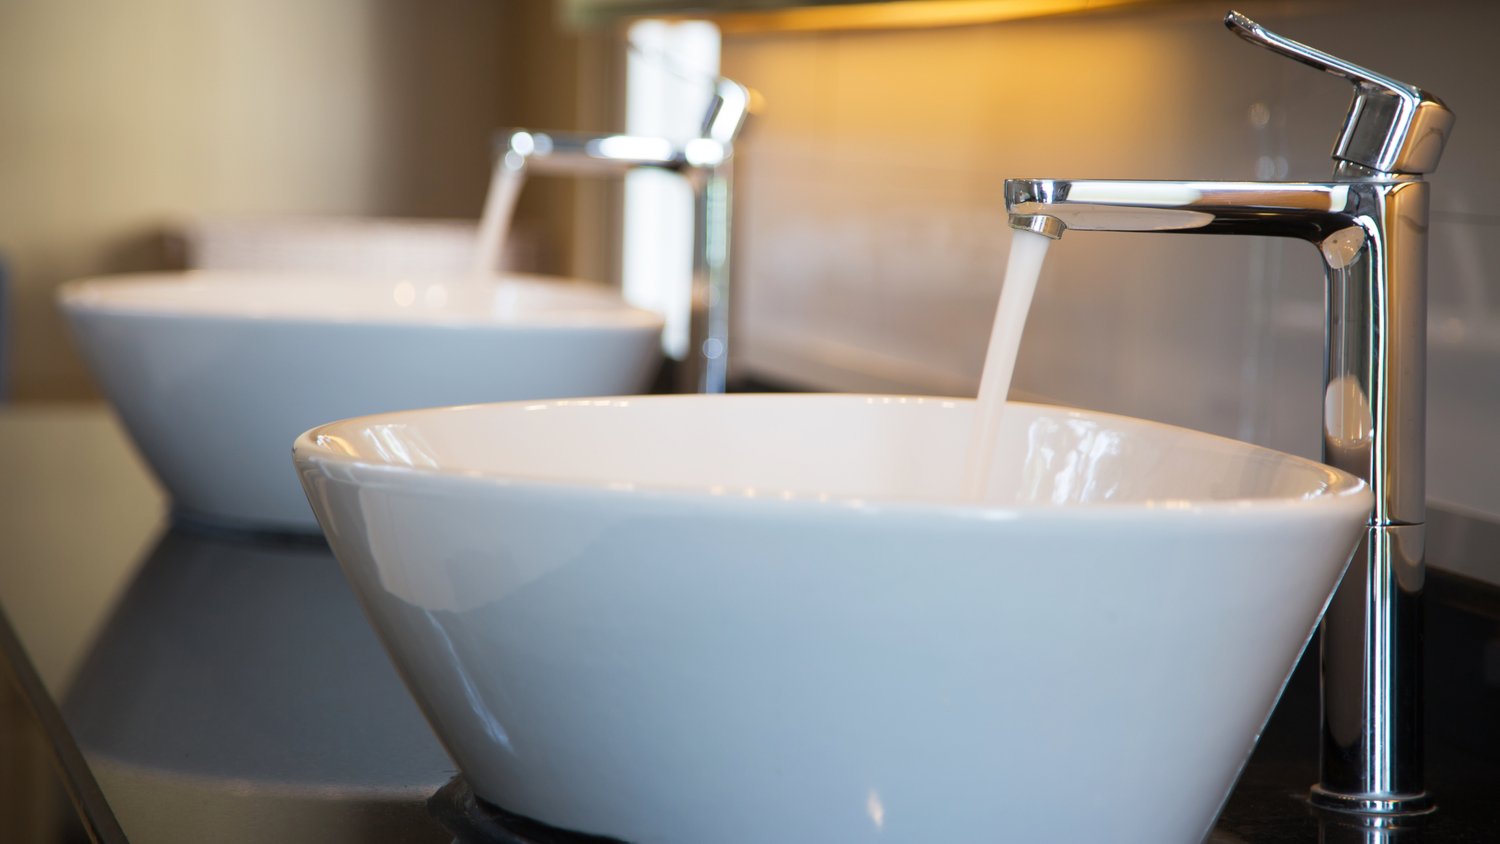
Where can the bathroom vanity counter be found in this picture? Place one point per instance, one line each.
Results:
(206, 685)
(1462, 652)
(210, 686)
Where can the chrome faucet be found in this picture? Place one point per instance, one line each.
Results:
(1370, 225)
(705, 161)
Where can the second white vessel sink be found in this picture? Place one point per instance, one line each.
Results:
(772, 618)
(214, 374)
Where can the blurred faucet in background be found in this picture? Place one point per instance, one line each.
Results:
(705, 161)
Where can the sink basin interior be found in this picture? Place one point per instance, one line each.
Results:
(910, 449)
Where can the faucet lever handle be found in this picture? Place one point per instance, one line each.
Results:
(1392, 127)
(727, 110)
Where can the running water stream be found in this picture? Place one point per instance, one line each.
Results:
(1027, 252)
(499, 206)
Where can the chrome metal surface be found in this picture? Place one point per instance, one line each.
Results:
(1296, 209)
(1040, 224)
(1372, 631)
(705, 161)
(1391, 127)
(708, 337)
(1359, 804)
(1370, 227)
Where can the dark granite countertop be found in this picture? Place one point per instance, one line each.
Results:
(1462, 652)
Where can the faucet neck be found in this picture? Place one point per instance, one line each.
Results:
(1350, 172)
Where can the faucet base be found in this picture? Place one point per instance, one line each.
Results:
(1405, 805)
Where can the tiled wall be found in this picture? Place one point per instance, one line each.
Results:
(871, 233)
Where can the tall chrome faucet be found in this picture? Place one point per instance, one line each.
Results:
(705, 162)
(1370, 225)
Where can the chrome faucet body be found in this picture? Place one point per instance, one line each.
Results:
(1369, 224)
(705, 161)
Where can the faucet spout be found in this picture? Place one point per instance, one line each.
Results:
(1042, 224)
(706, 163)
(1371, 236)
(1305, 210)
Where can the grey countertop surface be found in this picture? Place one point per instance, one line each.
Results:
(221, 687)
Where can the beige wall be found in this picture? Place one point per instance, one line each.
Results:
(871, 233)
(117, 117)
(570, 80)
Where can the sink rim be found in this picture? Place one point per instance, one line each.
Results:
(1341, 489)
(165, 296)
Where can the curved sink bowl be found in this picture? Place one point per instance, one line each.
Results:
(214, 374)
(770, 618)
(369, 247)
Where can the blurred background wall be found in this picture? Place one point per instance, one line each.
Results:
(872, 235)
(118, 118)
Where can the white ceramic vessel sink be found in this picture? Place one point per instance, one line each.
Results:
(215, 374)
(770, 618)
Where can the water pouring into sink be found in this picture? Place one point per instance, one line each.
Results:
(704, 161)
(1028, 249)
(752, 618)
(506, 180)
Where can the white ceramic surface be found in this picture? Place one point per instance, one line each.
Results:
(214, 374)
(370, 247)
(769, 618)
